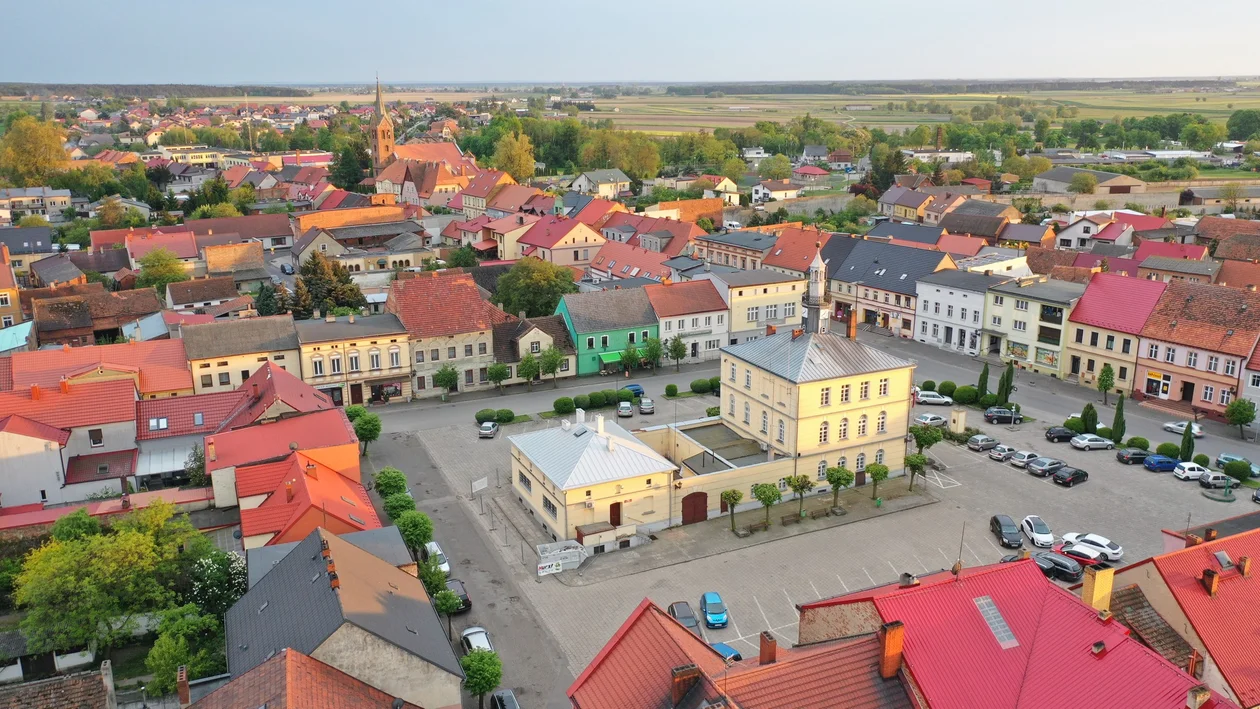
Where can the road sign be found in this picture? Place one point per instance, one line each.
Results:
(481, 484)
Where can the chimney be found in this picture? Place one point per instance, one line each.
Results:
(1209, 534)
(1193, 663)
(288, 491)
(333, 581)
(65, 385)
(1211, 581)
(852, 323)
(1198, 696)
(332, 567)
(684, 678)
(797, 333)
(210, 450)
(312, 471)
(323, 549)
(1193, 540)
(769, 649)
(1099, 649)
(1244, 566)
(599, 424)
(330, 317)
(1096, 589)
(1025, 554)
(579, 415)
(1105, 616)
(34, 392)
(181, 687)
(255, 389)
(908, 581)
(892, 637)
(107, 679)
(770, 330)
(351, 320)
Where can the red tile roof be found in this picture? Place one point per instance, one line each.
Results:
(180, 414)
(511, 222)
(626, 261)
(107, 238)
(673, 299)
(269, 441)
(1120, 266)
(431, 152)
(181, 243)
(1208, 317)
(85, 404)
(435, 304)
(1229, 623)
(594, 211)
(21, 426)
(292, 680)
(548, 231)
(185, 317)
(1239, 247)
(162, 365)
(1238, 274)
(810, 170)
(484, 184)
(510, 198)
(268, 385)
(795, 249)
(1163, 248)
(86, 468)
(1219, 227)
(1097, 306)
(314, 486)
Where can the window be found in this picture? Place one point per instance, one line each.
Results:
(1125, 347)
(1192, 359)
(782, 430)
(962, 314)
(549, 506)
(822, 470)
(1208, 393)
(747, 412)
(1212, 363)
(721, 319)
(225, 379)
(158, 424)
(824, 432)
(765, 422)
(1124, 373)
(198, 419)
(374, 359)
(564, 365)
(207, 380)
(630, 337)
(483, 375)
(864, 391)
(732, 405)
(468, 350)
(860, 462)
(936, 330)
(1152, 351)
(575, 255)
(997, 321)
(708, 320)
(923, 329)
(353, 361)
(395, 359)
(999, 300)
(881, 422)
(883, 387)
(1111, 342)
(1226, 396)
(481, 348)
(949, 311)
(524, 481)
(644, 336)
(747, 378)
(603, 341)
(925, 306)
(334, 363)
(754, 313)
(450, 353)
(936, 308)
(1021, 304)
(1093, 339)
(433, 354)
(1231, 367)
(789, 310)
(419, 356)
(772, 311)
(732, 371)
(975, 315)
(4, 300)
(1170, 354)
(825, 397)
(1019, 325)
(842, 431)
(96, 437)
(1255, 380)
(468, 376)
(844, 393)
(879, 456)
(861, 425)
(7, 320)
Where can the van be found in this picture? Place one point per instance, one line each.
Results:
(1213, 478)
(732, 225)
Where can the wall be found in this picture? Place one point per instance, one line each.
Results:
(389, 668)
(588, 356)
(780, 295)
(942, 307)
(714, 331)
(568, 369)
(838, 621)
(27, 466)
(423, 385)
(234, 365)
(1101, 355)
(365, 375)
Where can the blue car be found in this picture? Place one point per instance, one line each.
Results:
(728, 653)
(713, 610)
(1160, 463)
(634, 389)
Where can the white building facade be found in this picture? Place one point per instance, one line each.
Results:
(951, 309)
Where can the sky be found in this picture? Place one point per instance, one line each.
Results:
(654, 41)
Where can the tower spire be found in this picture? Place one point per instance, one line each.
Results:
(815, 321)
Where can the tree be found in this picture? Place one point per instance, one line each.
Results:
(514, 154)
(416, 529)
(215, 211)
(533, 286)
(768, 495)
(1240, 412)
(432, 576)
(347, 171)
(368, 428)
(283, 300)
(528, 369)
(187, 638)
(303, 307)
(483, 670)
(31, 152)
(915, 463)
(75, 526)
(1006, 384)
(1089, 418)
(732, 498)
(878, 473)
(447, 604)
(799, 485)
(775, 168)
(447, 378)
(397, 505)
(549, 363)
(1083, 183)
(31, 220)
(733, 169)
(1106, 380)
(219, 579)
(982, 385)
(1187, 443)
(389, 481)
(354, 411)
(925, 437)
(629, 356)
(463, 257)
(1230, 193)
(677, 352)
(158, 268)
(498, 373)
(265, 301)
(1244, 124)
(653, 350)
(838, 477)
(1117, 421)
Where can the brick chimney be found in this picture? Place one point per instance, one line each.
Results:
(1193, 540)
(1209, 534)
(852, 324)
(65, 385)
(288, 491)
(34, 392)
(892, 637)
(684, 678)
(770, 330)
(1099, 649)
(1211, 581)
(1197, 696)
(1244, 566)
(769, 649)
(333, 582)
(1096, 589)
(210, 455)
(181, 687)
(312, 470)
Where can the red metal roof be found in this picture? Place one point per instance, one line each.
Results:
(1141, 222)
(182, 244)
(1111, 232)
(810, 170)
(291, 680)
(593, 211)
(673, 299)
(35, 515)
(22, 426)
(84, 404)
(272, 440)
(1097, 306)
(625, 261)
(1163, 248)
(181, 412)
(161, 365)
(1228, 623)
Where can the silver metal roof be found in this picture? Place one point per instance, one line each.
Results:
(579, 455)
(814, 357)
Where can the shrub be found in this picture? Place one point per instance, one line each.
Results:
(596, 399)
(966, 395)
(1171, 450)
(946, 388)
(988, 400)
(671, 390)
(1201, 459)
(1138, 442)
(700, 386)
(610, 397)
(564, 405)
(625, 395)
(484, 415)
(1015, 408)
(505, 416)
(1238, 469)
(713, 411)
(929, 385)
(389, 481)
(354, 411)
(959, 438)
(582, 401)
(1103, 432)
(715, 384)
(1075, 425)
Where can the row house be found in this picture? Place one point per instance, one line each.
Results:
(1102, 334)
(562, 241)
(223, 354)
(603, 324)
(693, 312)
(356, 360)
(757, 302)
(516, 337)
(951, 308)
(745, 250)
(879, 281)
(904, 205)
(481, 189)
(1026, 319)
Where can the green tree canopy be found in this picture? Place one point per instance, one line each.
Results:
(514, 154)
(158, 268)
(1083, 183)
(389, 481)
(75, 526)
(483, 671)
(549, 363)
(188, 638)
(31, 151)
(416, 528)
(1240, 412)
(778, 167)
(533, 286)
(368, 428)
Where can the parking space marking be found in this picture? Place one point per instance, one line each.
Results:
(948, 560)
(894, 568)
(792, 605)
(868, 575)
(916, 558)
(816, 593)
(995, 547)
(973, 553)
(941, 480)
(764, 619)
(842, 583)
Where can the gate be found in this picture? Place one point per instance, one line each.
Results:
(695, 507)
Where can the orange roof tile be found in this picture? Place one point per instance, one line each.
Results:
(253, 444)
(693, 210)
(314, 486)
(84, 403)
(292, 680)
(1238, 274)
(101, 466)
(595, 210)
(162, 365)
(549, 230)
(673, 299)
(22, 426)
(1208, 317)
(510, 198)
(268, 385)
(1219, 227)
(431, 152)
(435, 304)
(626, 261)
(181, 243)
(795, 249)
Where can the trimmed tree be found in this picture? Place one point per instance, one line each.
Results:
(878, 473)
(653, 350)
(1240, 412)
(498, 373)
(1238, 469)
(528, 369)
(549, 364)
(368, 428)
(446, 378)
(416, 529)
(1106, 380)
(925, 437)
(1187, 442)
(483, 670)
(800, 484)
(354, 411)
(1117, 421)
(731, 498)
(448, 604)
(629, 356)
(982, 384)
(389, 481)
(768, 495)
(837, 478)
(397, 504)
(677, 352)
(916, 464)
(1089, 418)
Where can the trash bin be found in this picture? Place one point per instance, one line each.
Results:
(879, 502)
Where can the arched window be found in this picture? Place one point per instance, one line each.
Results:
(861, 462)
(765, 422)
(843, 462)
(782, 430)
(861, 425)
(879, 456)
(747, 412)
(843, 431)
(822, 470)
(881, 422)
(732, 405)
(824, 432)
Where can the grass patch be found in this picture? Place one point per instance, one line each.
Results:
(1251, 482)
(547, 415)
(683, 395)
(520, 418)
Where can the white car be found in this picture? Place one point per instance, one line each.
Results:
(1089, 442)
(474, 639)
(1109, 549)
(433, 551)
(931, 397)
(1179, 427)
(1037, 531)
(1189, 471)
(1023, 458)
(929, 420)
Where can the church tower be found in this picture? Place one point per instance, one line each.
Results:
(382, 133)
(816, 321)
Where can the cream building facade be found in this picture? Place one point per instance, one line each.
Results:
(356, 360)
(222, 355)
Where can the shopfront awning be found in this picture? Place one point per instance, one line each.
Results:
(610, 358)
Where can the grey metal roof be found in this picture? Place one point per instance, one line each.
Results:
(743, 239)
(837, 249)
(982, 208)
(909, 232)
(580, 456)
(815, 151)
(295, 606)
(600, 177)
(342, 329)
(1181, 265)
(1027, 233)
(886, 266)
(1050, 291)
(1215, 192)
(609, 310)
(963, 280)
(409, 226)
(758, 277)
(1103, 248)
(383, 543)
(1065, 174)
(28, 240)
(813, 357)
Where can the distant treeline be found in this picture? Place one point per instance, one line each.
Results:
(146, 90)
(851, 88)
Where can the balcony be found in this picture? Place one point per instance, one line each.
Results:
(1052, 315)
(1049, 336)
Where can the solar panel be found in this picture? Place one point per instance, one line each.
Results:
(997, 624)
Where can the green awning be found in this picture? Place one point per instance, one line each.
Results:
(610, 358)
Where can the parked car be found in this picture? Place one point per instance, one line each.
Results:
(1189, 471)
(728, 224)
(1022, 458)
(1069, 476)
(456, 587)
(634, 389)
(929, 420)
(998, 414)
(681, 612)
(931, 397)
(1159, 463)
(1002, 453)
(647, 406)
(1053, 565)
(475, 638)
(1179, 428)
(1225, 458)
(504, 699)
(713, 610)
(1037, 530)
(1255, 495)
(1007, 533)
(981, 442)
(286, 269)
(1109, 549)
(727, 652)
(1042, 467)
(1130, 456)
(431, 550)
(1059, 434)
(625, 410)
(1213, 479)
(489, 429)
(1082, 555)
(1089, 442)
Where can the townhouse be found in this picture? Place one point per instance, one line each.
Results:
(980, 218)
(27, 245)
(776, 190)
(1024, 321)
(951, 308)
(757, 301)
(607, 184)
(905, 205)
(693, 312)
(18, 202)
(223, 354)
(518, 336)
(480, 189)
(356, 360)
(10, 303)
(562, 241)
(878, 282)
(604, 324)
(1102, 333)
(1163, 268)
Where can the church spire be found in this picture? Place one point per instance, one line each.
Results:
(815, 320)
(380, 102)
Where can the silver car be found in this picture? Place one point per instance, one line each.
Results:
(1044, 466)
(625, 410)
(1179, 427)
(1089, 442)
(646, 406)
(981, 442)
(488, 430)
(929, 420)
(1002, 453)
(1023, 458)
(474, 639)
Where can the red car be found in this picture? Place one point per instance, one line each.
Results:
(1083, 555)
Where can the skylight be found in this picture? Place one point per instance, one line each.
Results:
(997, 624)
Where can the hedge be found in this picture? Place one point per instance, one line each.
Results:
(713, 411)
(610, 397)
(929, 385)
(966, 395)
(505, 416)
(988, 400)
(1075, 425)
(671, 390)
(1238, 469)
(596, 400)
(1171, 450)
(1103, 432)
(484, 415)
(625, 395)
(715, 384)
(564, 405)
(1201, 459)
(582, 401)
(946, 388)
(701, 386)
(1139, 442)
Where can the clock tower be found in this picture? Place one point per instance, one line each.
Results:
(382, 133)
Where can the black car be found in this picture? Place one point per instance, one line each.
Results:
(504, 699)
(1054, 566)
(998, 414)
(1070, 476)
(1132, 456)
(456, 587)
(286, 269)
(1006, 531)
(681, 611)
(1059, 434)
(1255, 496)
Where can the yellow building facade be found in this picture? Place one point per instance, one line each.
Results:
(357, 360)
